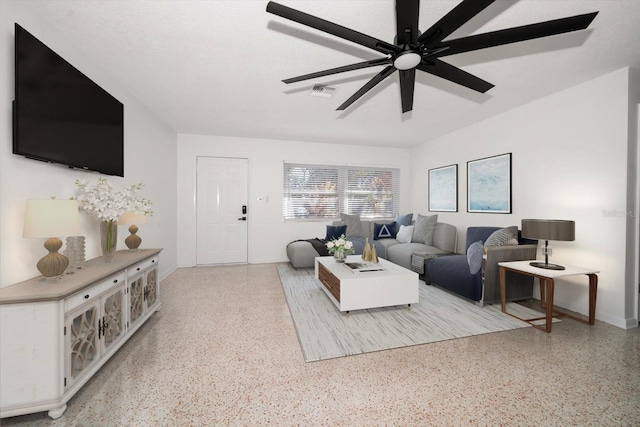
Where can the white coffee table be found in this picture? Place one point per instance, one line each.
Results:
(357, 291)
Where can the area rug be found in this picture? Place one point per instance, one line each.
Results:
(326, 333)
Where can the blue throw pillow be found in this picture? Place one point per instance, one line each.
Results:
(335, 231)
(384, 231)
(404, 219)
(474, 256)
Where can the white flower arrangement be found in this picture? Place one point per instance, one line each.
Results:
(341, 244)
(107, 204)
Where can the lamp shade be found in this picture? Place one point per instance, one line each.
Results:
(549, 229)
(131, 218)
(51, 218)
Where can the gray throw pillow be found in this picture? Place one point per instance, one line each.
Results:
(404, 219)
(354, 227)
(474, 256)
(502, 237)
(424, 229)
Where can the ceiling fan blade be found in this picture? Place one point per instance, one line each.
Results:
(407, 84)
(407, 12)
(359, 65)
(453, 20)
(331, 28)
(367, 87)
(517, 34)
(455, 75)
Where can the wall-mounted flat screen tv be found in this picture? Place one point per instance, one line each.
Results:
(62, 116)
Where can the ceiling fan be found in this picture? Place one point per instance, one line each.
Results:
(413, 50)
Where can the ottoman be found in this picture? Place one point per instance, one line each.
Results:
(301, 254)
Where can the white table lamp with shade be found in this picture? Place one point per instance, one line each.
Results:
(133, 219)
(51, 219)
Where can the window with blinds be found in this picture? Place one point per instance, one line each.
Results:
(323, 192)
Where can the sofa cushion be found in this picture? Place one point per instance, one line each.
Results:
(384, 231)
(382, 246)
(474, 256)
(503, 236)
(424, 228)
(404, 219)
(452, 273)
(405, 233)
(445, 237)
(354, 227)
(402, 254)
(335, 231)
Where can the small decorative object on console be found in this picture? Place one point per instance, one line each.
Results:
(75, 251)
(340, 248)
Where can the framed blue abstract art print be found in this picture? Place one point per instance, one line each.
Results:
(489, 184)
(443, 189)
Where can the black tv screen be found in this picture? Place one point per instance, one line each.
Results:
(62, 116)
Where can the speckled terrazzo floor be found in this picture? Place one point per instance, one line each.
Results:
(223, 351)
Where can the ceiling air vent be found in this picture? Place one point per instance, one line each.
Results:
(322, 91)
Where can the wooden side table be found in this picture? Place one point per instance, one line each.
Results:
(547, 285)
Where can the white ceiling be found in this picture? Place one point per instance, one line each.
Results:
(215, 67)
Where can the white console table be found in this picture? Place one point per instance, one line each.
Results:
(55, 335)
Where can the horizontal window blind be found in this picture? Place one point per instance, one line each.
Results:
(372, 193)
(323, 192)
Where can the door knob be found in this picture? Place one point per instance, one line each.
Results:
(244, 218)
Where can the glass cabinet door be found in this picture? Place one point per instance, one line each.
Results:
(82, 341)
(112, 317)
(136, 299)
(151, 287)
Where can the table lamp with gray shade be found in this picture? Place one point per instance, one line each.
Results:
(133, 219)
(49, 219)
(548, 229)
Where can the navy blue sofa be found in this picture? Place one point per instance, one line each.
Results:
(452, 272)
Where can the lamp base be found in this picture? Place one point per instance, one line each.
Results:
(53, 264)
(547, 265)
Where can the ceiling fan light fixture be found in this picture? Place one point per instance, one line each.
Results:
(414, 50)
(407, 60)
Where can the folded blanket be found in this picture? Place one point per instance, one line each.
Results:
(318, 244)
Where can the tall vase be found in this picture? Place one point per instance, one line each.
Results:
(108, 239)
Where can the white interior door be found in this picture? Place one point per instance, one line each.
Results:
(221, 194)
